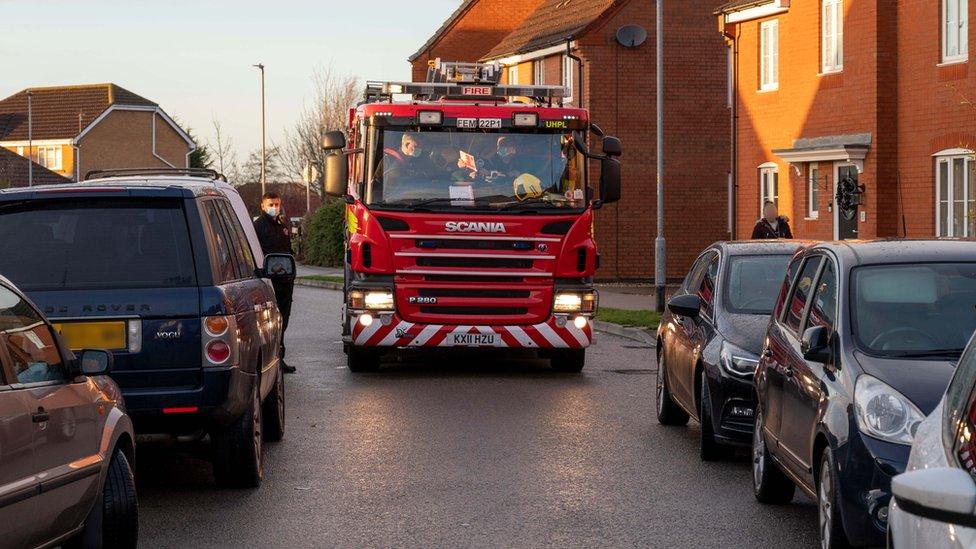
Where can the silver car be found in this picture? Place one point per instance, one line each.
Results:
(66, 443)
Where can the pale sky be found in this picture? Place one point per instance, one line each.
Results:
(194, 57)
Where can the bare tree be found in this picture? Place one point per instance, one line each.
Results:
(223, 151)
(276, 171)
(333, 95)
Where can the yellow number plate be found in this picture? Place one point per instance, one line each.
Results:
(92, 335)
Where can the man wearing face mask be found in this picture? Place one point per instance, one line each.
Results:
(504, 162)
(275, 237)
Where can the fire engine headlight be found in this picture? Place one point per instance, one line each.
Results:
(371, 300)
(575, 302)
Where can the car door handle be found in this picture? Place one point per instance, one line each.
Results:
(40, 416)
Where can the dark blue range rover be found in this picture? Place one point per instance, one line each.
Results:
(159, 270)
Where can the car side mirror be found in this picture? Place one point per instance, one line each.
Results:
(815, 344)
(597, 130)
(688, 305)
(944, 494)
(612, 146)
(336, 174)
(334, 140)
(279, 266)
(95, 362)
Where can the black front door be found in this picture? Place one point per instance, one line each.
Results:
(847, 212)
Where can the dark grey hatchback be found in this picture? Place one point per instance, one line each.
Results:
(709, 340)
(860, 348)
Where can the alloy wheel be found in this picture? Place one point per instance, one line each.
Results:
(825, 506)
(257, 434)
(758, 451)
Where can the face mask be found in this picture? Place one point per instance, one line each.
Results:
(271, 211)
(417, 151)
(506, 153)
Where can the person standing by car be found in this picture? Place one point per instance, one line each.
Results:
(772, 225)
(275, 237)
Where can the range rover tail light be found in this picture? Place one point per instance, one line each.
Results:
(219, 339)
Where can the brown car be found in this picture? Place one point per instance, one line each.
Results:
(66, 443)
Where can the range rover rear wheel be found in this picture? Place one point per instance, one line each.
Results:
(274, 409)
(360, 360)
(238, 448)
(569, 361)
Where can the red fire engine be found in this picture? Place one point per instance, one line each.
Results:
(469, 217)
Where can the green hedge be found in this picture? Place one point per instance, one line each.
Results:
(324, 238)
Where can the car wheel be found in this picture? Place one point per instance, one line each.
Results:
(711, 449)
(668, 412)
(273, 412)
(113, 522)
(769, 484)
(832, 535)
(360, 360)
(569, 362)
(239, 450)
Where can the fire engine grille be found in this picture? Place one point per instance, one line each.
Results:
(474, 311)
(476, 262)
(480, 279)
(475, 244)
(477, 293)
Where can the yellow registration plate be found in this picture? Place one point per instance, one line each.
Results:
(93, 335)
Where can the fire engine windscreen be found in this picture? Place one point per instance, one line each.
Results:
(482, 171)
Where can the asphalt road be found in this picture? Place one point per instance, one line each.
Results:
(465, 451)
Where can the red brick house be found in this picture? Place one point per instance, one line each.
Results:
(619, 90)
(877, 92)
(77, 129)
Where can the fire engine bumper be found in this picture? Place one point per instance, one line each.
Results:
(393, 332)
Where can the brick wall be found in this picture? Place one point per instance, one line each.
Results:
(620, 94)
(124, 139)
(891, 86)
(476, 32)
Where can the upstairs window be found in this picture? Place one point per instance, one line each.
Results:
(955, 30)
(769, 55)
(49, 157)
(832, 36)
(539, 70)
(513, 75)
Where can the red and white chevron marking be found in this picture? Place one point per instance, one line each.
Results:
(403, 334)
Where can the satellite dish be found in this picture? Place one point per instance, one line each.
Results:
(631, 36)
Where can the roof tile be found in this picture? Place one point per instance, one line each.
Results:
(553, 22)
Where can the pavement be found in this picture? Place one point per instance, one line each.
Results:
(465, 450)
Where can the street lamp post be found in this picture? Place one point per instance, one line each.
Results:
(30, 139)
(264, 151)
(660, 263)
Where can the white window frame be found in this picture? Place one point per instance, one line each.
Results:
(813, 203)
(769, 55)
(831, 36)
(50, 157)
(948, 158)
(539, 72)
(955, 30)
(569, 67)
(768, 172)
(513, 75)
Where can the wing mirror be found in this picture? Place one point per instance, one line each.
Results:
(279, 267)
(95, 362)
(815, 344)
(612, 146)
(688, 305)
(336, 174)
(333, 141)
(944, 494)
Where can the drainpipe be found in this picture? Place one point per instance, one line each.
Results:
(733, 42)
(579, 64)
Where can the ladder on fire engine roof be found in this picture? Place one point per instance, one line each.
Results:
(465, 81)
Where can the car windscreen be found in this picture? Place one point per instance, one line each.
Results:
(914, 311)
(753, 283)
(482, 170)
(95, 244)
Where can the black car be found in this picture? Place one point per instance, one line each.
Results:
(158, 269)
(861, 345)
(709, 340)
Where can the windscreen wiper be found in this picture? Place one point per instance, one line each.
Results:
(951, 353)
(432, 201)
(527, 204)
